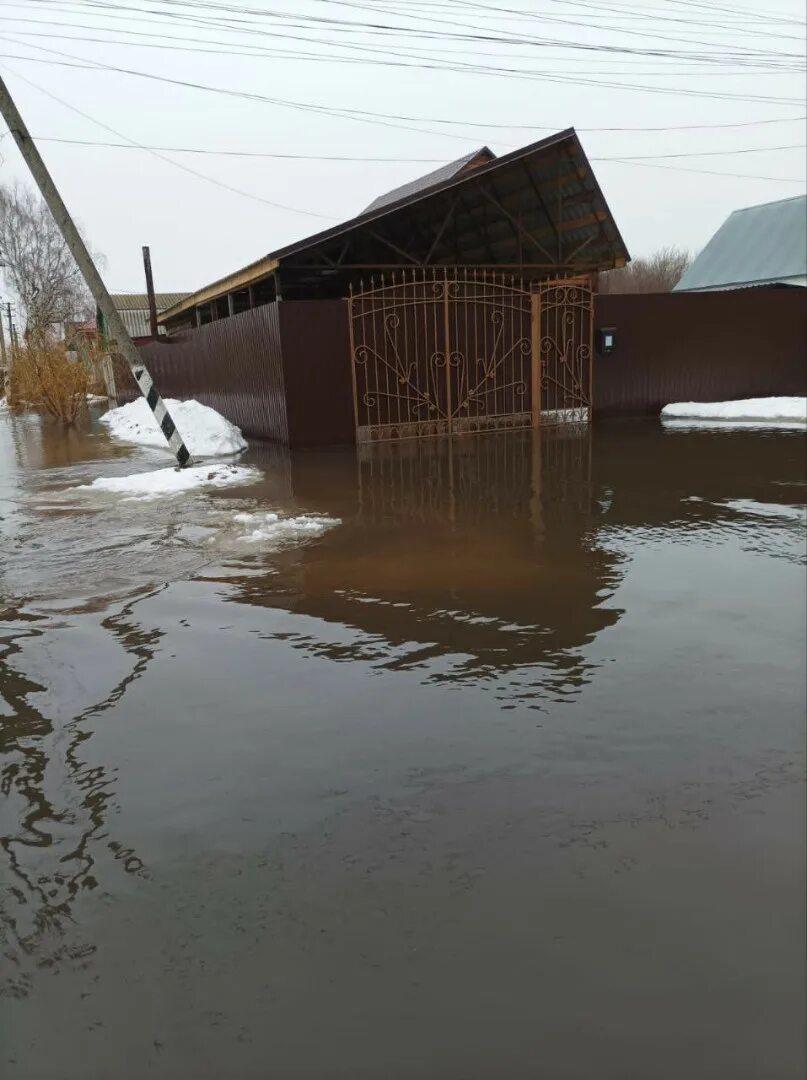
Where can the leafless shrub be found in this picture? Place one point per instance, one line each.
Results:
(48, 376)
(660, 272)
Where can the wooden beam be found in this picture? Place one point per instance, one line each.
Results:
(581, 222)
(320, 254)
(414, 224)
(238, 280)
(542, 201)
(571, 174)
(579, 248)
(480, 265)
(518, 227)
(383, 240)
(484, 226)
(438, 236)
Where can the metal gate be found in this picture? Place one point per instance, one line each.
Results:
(564, 312)
(457, 349)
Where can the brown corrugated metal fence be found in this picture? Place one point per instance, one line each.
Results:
(233, 365)
(282, 371)
(699, 347)
(316, 371)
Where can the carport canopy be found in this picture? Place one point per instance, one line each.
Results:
(538, 210)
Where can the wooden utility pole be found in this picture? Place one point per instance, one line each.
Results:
(4, 360)
(150, 291)
(11, 334)
(78, 249)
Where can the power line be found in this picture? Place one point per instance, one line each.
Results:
(176, 164)
(362, 115)
(386, 160)
(119, 12)
(703, 153)
(703, 172)
(341, 26)
(194, 45)
(631, 14)
(203, 5)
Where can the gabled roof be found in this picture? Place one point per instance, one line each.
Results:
(538, 207)
(757, 245)
(482, 156)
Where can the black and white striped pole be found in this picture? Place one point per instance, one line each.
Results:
(78, 249)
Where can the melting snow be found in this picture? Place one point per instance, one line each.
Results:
(161, 482)
(270, 527)
(789, 411)
(206, 432)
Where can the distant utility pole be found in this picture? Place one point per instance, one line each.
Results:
(150, 290)
(79, 251)
(11, 333)
(4, 358)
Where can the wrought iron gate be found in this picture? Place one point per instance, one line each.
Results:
(466, 349)
(565, 315)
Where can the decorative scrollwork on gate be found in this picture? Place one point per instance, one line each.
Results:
(440, 351)
(565, 348)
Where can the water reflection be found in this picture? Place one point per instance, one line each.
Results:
(471, 561)
(493, 562)
(56, 817)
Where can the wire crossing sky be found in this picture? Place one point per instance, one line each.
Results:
(248, 125)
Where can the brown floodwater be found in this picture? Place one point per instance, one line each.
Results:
(500, 776)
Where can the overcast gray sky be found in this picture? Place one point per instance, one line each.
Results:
(462, 73)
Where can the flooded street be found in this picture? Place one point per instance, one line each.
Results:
(450, 761)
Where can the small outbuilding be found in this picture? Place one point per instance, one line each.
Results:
(133, 309)
(763, 245)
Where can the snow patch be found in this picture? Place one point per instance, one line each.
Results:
(777, 411)
(161, 482)
(206, 432)
(270, 527)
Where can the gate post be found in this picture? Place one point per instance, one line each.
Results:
(535, 321)
(351, 300)
(447, 353)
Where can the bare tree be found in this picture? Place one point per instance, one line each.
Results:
(660, 272)
(37, 263)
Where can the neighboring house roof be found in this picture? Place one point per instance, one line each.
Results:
(134, 309)
(140, 301)
(547, 191)
(482, 156)
(759, 245)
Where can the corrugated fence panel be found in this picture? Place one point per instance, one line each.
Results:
(700, 347)
(282, 371)
(316, 371)
(233, 365)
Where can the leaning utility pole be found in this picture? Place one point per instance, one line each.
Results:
(150, 291)
(79, 251)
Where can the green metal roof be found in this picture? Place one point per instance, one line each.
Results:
(759, 245)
